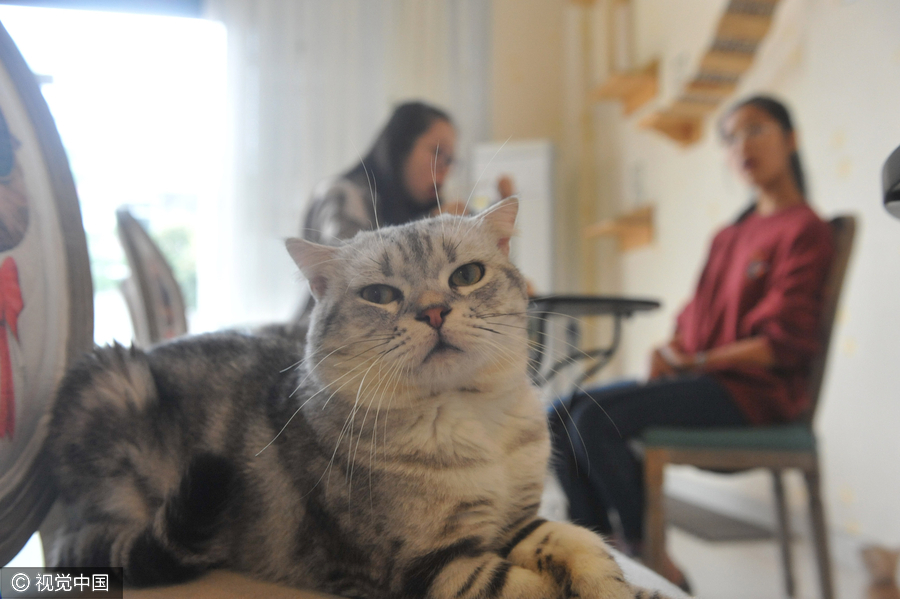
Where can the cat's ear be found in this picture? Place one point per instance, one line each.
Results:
(502, 219)
(313, 260)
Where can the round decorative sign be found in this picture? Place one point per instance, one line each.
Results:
(46, 299)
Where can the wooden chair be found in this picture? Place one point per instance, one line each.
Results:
(152, 294)
(775, 448)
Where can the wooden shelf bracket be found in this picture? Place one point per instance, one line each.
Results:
(632, 229)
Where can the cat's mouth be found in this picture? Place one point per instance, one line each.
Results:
(441, 347)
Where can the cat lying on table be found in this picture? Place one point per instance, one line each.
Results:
(402, 454)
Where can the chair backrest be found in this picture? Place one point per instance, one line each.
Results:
(152, 293)
(844, 230)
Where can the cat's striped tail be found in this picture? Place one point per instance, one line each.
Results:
(131, 495)
(176, 546)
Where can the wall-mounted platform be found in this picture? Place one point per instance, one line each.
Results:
(738, 35)
(632, 230)
(633, 88)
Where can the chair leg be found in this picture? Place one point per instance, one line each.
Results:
(820, 532)
(784, 531)
(654, 509)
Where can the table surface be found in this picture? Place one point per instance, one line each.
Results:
(591, 305)
(220, 584)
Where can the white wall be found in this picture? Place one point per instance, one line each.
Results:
(837, 64)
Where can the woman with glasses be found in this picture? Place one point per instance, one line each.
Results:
(741, 348)
(397, 181)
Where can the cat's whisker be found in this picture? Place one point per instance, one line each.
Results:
(300, 385)
(394, 378)
(374, 440)
(502, 352)
(391, 402)
(306, 359)
(353, 412)
(354, 452)
(373, 450)
(350, 371)
(296, 364)
(487, 329)
(538, 374)
(343, 429)
(553, 405)
(437, 196)
(498, 359)
(381, 343)
(373, 193)
(533, 315)
(502, 349)
(363, 365)
(547, 335)
(481, 176)
(297, 411)
(328, 468)
(567, 360)
(550, 336)
(369, 181)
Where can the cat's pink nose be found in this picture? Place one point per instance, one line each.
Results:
(434, 315)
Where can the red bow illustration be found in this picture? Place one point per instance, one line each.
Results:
(10, 306)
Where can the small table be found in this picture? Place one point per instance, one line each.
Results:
(542, 308)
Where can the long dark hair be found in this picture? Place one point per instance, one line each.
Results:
(383, 165)
(780, 114)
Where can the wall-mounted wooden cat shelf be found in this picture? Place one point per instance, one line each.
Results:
(742, 27)
(632, 229)
(633, 88)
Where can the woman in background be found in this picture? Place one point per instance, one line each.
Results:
(398, 181)
(404, 171)
(742, 346)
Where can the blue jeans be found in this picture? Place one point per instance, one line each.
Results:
(591, 433)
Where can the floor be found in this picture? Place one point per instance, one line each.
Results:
(752, 569)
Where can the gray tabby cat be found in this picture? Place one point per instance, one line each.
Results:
(404, 457)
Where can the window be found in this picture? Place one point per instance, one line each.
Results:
(139, 102)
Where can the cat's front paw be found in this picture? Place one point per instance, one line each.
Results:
(576, 560)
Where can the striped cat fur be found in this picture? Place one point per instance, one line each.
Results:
(401, 453)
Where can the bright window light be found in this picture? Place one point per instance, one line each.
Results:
(140, 105)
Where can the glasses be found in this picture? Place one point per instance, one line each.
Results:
(747, 133)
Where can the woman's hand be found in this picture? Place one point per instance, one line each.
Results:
(670, 360)
(659, 367)
(505, 187)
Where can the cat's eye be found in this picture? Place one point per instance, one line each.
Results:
(380, 294)
(467, 274)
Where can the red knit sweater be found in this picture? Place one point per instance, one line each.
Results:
(764, 276)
